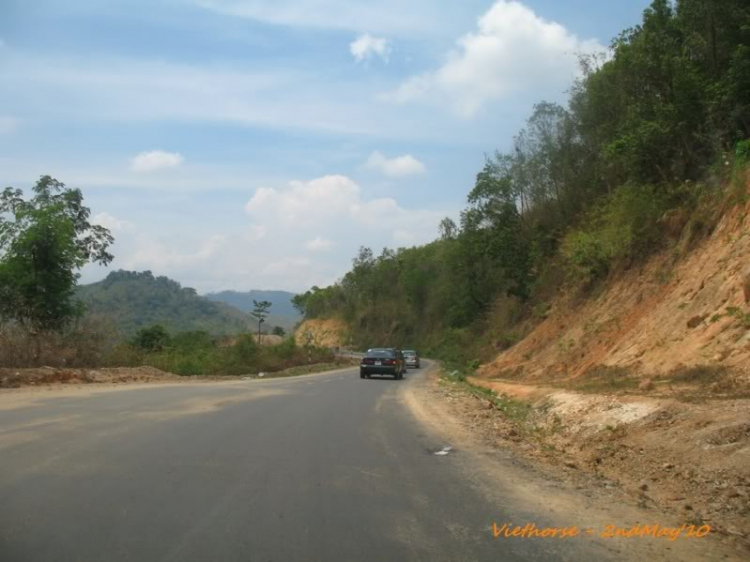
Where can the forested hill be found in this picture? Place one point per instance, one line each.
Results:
(650, 150)
(134, 300)
(282, 311)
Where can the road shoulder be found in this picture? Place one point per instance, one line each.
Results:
(566, 496)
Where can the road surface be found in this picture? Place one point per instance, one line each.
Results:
(323, 467)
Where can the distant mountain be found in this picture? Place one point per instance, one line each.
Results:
(282, 312)
(137, 299)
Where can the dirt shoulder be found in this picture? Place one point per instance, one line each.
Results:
(42, 376)
(692, 459)
(563, 458)
(50, 377)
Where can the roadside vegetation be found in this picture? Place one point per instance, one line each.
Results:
(44, 242)
(198, 353)
(651, 148)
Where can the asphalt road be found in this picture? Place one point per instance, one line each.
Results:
(324, 467)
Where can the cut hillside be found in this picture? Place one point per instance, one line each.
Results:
(323, 332)
(664, 319)
(134, 300)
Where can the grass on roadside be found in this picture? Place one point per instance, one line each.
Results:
(511, 408)
(602, 378)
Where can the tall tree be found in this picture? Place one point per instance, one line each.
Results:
(260, 313)
(44, 242)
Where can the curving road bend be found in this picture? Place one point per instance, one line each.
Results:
(323, 467)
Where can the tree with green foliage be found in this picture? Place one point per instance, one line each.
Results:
(278, 331)
(447, 229)
(44, 242)
(260, 313)
(652, 128)
(153, 338)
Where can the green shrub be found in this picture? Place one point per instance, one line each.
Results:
(625, 225)
(191, 340)
(153, 338)
(742, 152)
(586, 254)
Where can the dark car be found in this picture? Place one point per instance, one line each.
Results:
(382, 361)
(411, 358)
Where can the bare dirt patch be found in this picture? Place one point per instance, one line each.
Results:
(679, 310)
(690, 460)
(16, 378)
(324, 332)
(514, 465)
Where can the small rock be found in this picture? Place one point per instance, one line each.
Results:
(687, 507)
(733, 493)
(570, 464)
(646, 384)
(643, 486)
(694, 322)
(667, 466)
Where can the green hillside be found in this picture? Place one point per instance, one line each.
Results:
(137, 299)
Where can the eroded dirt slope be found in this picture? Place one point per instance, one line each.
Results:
(324, 332)
(650, 320)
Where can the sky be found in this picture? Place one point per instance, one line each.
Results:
(257, 144)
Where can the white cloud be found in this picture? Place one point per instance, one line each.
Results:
(287, 267)
(384, 16)
(290, 237)
(256, 232)
(366, 47)
(144, 91)
(319, 244)
(155, 160)
(513, 50)
(8, 124)
(149, 253)
(336, 202)
(111, 222)
(305, 203)
(399, 166)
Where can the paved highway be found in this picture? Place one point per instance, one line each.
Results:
(324, 467)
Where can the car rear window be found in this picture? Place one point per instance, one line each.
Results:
(383, 353)
(409, 352)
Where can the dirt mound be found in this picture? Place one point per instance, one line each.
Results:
(649, 321)
(16, 378)
(330, 332)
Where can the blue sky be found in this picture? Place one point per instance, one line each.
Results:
(238, 144)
